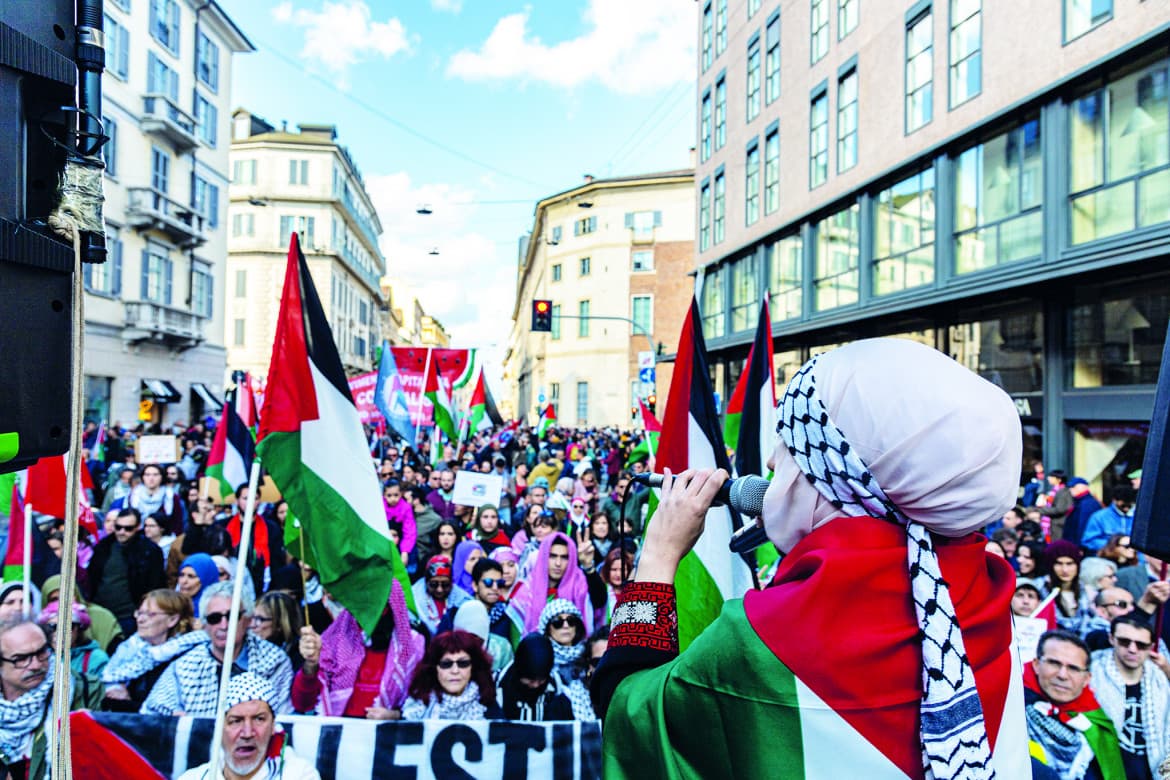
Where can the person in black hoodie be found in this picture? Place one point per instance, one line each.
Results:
(529, 691)
(124, 568)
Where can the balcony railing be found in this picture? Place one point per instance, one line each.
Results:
(162, 117)
(147, 321)
(150, 209)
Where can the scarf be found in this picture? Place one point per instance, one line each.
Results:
(951, 721)
(20, 718)
(259, 535)
(1109, 689)
(441, 706)
(572, 586)
(135, 657)
(463, 579)
(1060, 728)
(147, 504)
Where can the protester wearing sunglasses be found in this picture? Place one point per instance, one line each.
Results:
(562, 623)
(1130, 682)
(190, 685)
(453, 682)
(124, 568)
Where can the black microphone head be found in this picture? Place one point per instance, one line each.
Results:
(747, 495)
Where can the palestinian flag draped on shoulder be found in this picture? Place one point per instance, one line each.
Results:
(311, 442)
(691, 438)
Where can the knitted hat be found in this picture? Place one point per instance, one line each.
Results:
(1061, 548)
(472, 617)
(439, 566)
(80, 614)
(249, 687)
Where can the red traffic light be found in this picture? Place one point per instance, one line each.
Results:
(542, 306)
(542, 316)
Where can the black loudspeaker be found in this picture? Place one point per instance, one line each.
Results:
(38, 78)
(1151, 519)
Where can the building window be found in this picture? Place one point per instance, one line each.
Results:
(160, 79)
(818, 141)
(903, 235)
(1080, 16)
(966, 50)
(556, 272)
(848, 14)
(720, 113)
(772, 60)
(643, 224)
(847, 122)
(642, 312)
(303, 227)
(582, 403)
(239, 334)
(1120, 179)
(785, 261)
(819, 17)
(242, 284)
(705, 216)
(1116, 336)
(705, 128)
(160, 167)
(556, 235)
(106, 278)
(751, 177)
(164, 23)
(998, 188)
(753, 6)
(244, 172)
(207, 119)
(157, 275)
(202, 290)
(719, 207)
(836, 280)
(110, 147)
(555, 333)
(753, 79)
(708, 36)
(714, 323)
(745, 293)
(583, 319)
(642, 260)
(117, 48)
(243, 225)
(584, 266)
(720, 27)
(205, 200)
(919, 71)
(298, 171)
(207, 62)
(772, 171)
(584, 226)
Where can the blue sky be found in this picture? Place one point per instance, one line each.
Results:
(478, 108)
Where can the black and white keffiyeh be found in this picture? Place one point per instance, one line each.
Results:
(21, 717)
(135, 657)
(954, 735)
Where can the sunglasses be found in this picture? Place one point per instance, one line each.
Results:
(215, 618)
(126, 528)
(1125, 641)
(492, 582)
(462, 663)
(563, 621)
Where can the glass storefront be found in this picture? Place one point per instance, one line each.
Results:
(97, 399)
(837, 253)
(785, 259)
(745, 294)
(1008, 351)
(903, 241)
(1115, 337)
(1105, 453)
(711, 304)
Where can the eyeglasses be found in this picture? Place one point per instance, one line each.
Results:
(23, 660)
(1125, 641)
(462, 663)
(492, 582)
(215, 618)
(126, 528)
(144, 615)
(1055, 666)
(563, 621)
(261, 619)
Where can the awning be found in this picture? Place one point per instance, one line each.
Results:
(211, 403)
(161, 391)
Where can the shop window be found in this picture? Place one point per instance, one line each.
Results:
(903, 240)
(837, 251)
(1115, 338)
(785, 261)
(1007, 351)
(745, 294)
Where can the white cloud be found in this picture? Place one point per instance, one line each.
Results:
(344, 33)
(451, 6)
(629, 47)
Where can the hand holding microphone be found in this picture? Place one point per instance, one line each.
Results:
(678, 521)
(745, 495)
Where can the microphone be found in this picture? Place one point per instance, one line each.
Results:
(744, 494)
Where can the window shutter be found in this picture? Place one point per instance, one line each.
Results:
(87, 274)
(629, 219)
(209, 303)
(657, 219)
(168, 268)
(116, 270)
(145, 274)
(123, 52)
(213, 205)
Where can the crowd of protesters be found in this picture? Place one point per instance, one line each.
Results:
(512, 600)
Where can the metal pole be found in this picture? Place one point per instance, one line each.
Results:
(26, 559)
(422, 391)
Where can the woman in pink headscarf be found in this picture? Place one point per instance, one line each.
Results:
(555, 574)
(347, 673)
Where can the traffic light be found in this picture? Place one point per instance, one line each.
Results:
(633, 413)
(652, 403)
(542, 316)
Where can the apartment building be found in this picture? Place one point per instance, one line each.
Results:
(989, 177)
(304, 182)
(154, 349)
(613, 256)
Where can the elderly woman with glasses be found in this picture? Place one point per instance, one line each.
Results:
(165, 621)
(453, 682)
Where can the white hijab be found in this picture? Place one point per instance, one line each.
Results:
(944, 444)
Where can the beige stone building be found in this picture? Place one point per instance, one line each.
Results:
(610, 248)
(304, 181)
(991, 177)
(154, 347)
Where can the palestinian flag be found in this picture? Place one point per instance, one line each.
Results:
(476, 419)
(443, 406)
(691, 438)
(648, 446)
(548, 418)
(753, 405)
(232, 452)
(246, 405)
(98, 451)
(312, 444)
(45, 485)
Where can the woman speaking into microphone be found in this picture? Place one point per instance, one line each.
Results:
(883, 645)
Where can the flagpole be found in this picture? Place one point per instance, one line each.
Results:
(229, 652)
(300, 565)
(25, 600)
(422, 391)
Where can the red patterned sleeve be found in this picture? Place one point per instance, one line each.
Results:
(646, 616)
